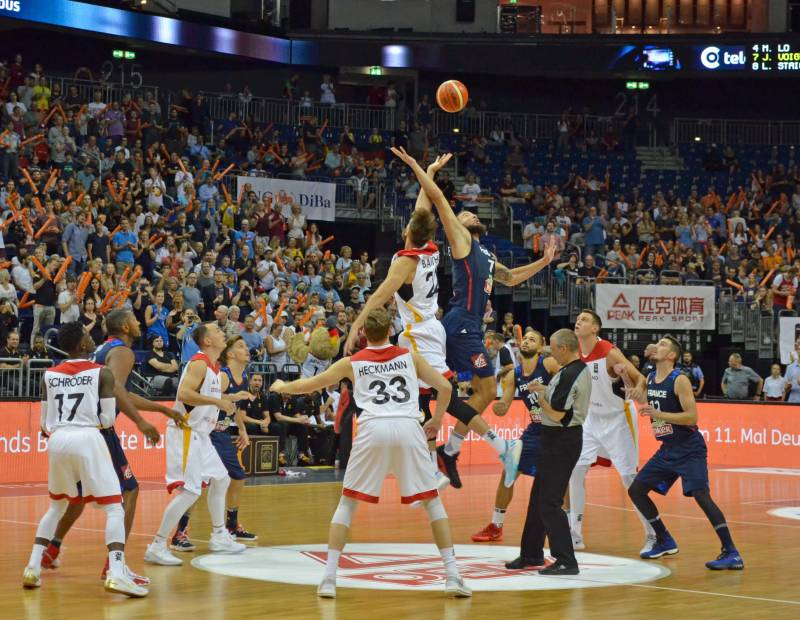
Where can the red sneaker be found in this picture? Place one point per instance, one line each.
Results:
(50, 557)
(491, 533)
(139, 580)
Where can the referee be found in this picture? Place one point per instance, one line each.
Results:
(564, 403)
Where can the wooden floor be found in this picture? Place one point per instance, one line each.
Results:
(299, 514)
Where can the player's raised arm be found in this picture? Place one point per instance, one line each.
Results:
(338, 371)
(444, 391)
(423, 200)
(683, 390)
(189, 390)
(457, 235)
(399, 272)
(635, 382)
(518, 275)
(120, 364)
(502, 404)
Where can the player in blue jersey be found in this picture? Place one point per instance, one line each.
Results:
(117, 355)
(234, 385)
(535, 368)
(683, 454)
(475, 269)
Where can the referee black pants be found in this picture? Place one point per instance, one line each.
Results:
(560, 449)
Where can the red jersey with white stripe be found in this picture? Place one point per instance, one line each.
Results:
(201, 418)
(419, 300)
(385, 383)
(603, 400)
(73, 395)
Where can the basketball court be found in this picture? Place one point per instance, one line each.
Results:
(393, 566)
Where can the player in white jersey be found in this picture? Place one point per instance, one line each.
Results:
(390, 440)
(610, 429)
(192, 460)
(413, 283)
(78, 401)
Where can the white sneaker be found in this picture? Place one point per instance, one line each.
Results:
(122, 584)
(442, 482)
(31, 578)
(225, 543)
(649, 543)
(159, 554)
(455, 587)
(327, 589)
(577, 542)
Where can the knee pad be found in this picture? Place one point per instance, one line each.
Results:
(344, 511)
(460, 410)
(113, 509)
(435, 509)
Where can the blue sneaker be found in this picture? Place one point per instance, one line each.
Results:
(729, 559)
(667, 546)
(510, 460)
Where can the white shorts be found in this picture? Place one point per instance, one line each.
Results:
(428, 340)
(80, 467)
(614, 437)
(390, 446)
(192, 460)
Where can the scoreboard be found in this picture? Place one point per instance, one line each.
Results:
(780, 57)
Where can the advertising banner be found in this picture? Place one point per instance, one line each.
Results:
(634, 306)
(317, 200)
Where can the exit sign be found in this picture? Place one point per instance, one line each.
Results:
(376, 70)
(127, 55)
(637, 85)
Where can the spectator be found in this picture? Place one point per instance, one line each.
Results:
(693, 372)
(68, 302)
(39, 350)
(161, 367)
(155, 318)
(257, 418)
(291, 411)
(775, 385)
(792, 382)
(44, 308)
(94, 323)
(190, 322)
(10, 383)
(649, 366)
(470, 192)
(277, 345)
(737, 379)
(595, 233)
(253, 340)
(8, 292)
(327, 91)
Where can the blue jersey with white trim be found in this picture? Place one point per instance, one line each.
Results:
(473, 279)
(225, 420)
(531, 399)
(662, 397)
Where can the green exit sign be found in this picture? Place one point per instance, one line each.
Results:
(376, 70)
(127, 55)
(637, 85)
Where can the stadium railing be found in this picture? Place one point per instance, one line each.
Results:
(735, 131)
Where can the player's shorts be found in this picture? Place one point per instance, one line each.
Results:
(127, 481)
(687, 459)
(466, 350)
(390, 446)
(191, 460)
(613, 436)
(531, 449)
(80, 467)
(223, 442)
(428, 340)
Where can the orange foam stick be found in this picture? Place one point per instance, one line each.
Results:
(35, 138)
(536, 238)
(279, 261)
(122, 299)
(51, 179)
(772, 208)
(302, 300)
(83, 284)
(219, 175)
(137, 273)
(304, 319)
(26, 223)
(767, 277)
(5, 264)
(227, 195)
(327, 255)
(281, 308)
(182, 167)
(518, 334)
(111, 191)
(125, 275)
(789, 302)
(769, 233)
(62, 270)
(44, 227)
(41, 268)
(28, 178)
(324, 241)
(26, 304)
(734, 284)
(38, 204)
(47, 118)
(24, 297)
(79, 199)
(214, 167)
(603, 273)
(664, 247)
(114, 232)
(641, 257)
(106, 299)
(626, 259)
(722, 248)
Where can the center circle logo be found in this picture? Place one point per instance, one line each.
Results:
(789, 512)
(380, 566)
(709, 57)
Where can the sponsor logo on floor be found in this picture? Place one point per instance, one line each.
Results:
(788, 512)
(380, 566)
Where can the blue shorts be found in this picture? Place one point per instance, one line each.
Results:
(687, 460)
(466, 351)
(127, 481)
(223, 442)
(530, 449)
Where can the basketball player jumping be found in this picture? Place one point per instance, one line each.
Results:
(390, 440)
(683, 454)
(78, 397)
(117, 355)
(192, 461)
(535, 368)
(610, 428)
(413, 282)
(474, 271)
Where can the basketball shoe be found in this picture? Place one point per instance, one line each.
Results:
(665, 546)
(50, 557)
(448, 463)
(31, 578)
(327, 589)
(124, 585)
(181, 542)
(224, 542)
(491, 533)
(139, 580)
(455, 587)
(239, 533)
(729, 559)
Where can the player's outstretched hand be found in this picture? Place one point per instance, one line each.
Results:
(149, 431)
(431, 428)
(550, 250)
(227, 406)
(278, 386)
(622, 371)
(500, 408)
(350, 343)
(401, 154)
(175, 416)
(439, 163)
(242, 441)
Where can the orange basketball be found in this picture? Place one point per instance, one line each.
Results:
(452, 96)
